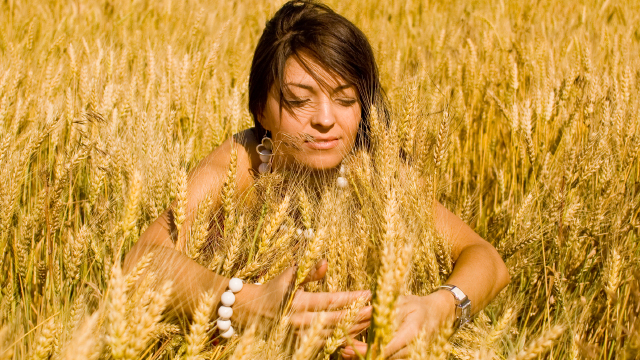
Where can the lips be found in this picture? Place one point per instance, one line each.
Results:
(322, 143)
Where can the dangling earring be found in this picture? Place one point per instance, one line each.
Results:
(265, 150)
(342, 181)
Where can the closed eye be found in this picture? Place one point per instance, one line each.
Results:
(298, 102)
(346, 102)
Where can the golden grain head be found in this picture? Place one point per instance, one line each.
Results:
(524, 126)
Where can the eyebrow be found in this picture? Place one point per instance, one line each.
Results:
(310, 88)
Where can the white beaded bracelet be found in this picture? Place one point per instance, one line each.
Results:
(225, 311)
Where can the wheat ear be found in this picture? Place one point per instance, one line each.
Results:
(308, 343)
(245, 348)
(198, 329)
(540, 345)
(342, 329)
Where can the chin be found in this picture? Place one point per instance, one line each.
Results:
(320, 162)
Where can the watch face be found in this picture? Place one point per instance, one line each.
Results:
(458, 294)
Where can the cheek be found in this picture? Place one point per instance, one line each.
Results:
(351, 122)
(290, 124)
(278, 122)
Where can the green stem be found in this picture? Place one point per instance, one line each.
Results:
(255, 236)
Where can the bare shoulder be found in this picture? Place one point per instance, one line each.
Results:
(207, 178)
(215, 165)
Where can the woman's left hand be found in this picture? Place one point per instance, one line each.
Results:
(416, 313)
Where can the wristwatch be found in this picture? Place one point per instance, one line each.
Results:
(463, 305)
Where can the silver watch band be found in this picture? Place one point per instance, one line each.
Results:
(463, 305)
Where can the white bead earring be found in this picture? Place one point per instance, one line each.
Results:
(342, 181)
(265, 150)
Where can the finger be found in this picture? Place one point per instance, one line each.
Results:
(358, 328)
(317, 272)
(323, 334)
(286, 277)
(316, 343)
(356, 348)
(329, 319)
(329, 301)
(304, 319)
(349, 340)
(401, 354)
(348, 354)
(401, 339)
(362, 318)
(364, 315)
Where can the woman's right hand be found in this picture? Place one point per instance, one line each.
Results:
(263, 303)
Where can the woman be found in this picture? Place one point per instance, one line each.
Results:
(313, 79)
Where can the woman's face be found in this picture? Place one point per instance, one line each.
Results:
(321, 127)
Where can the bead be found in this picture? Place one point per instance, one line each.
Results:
(267, 143)
(299, 232)
(265, 156)
(235, 285)
(223, 324)
(265, 152)
(257, 283)
(342, 182)
(227, 298)
(309, 234)
(263, 168)
(229, 333)
(343, 170)
(225, 312)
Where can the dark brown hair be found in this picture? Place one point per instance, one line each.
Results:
(304, 27)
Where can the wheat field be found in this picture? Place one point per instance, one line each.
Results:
(519, 116)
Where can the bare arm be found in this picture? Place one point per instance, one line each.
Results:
(479, 270)
(189, 278)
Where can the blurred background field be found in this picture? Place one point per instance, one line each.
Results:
(519, 116)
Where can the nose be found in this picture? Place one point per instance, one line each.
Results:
(323, 118)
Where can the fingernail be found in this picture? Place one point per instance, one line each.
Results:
(348, 352)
